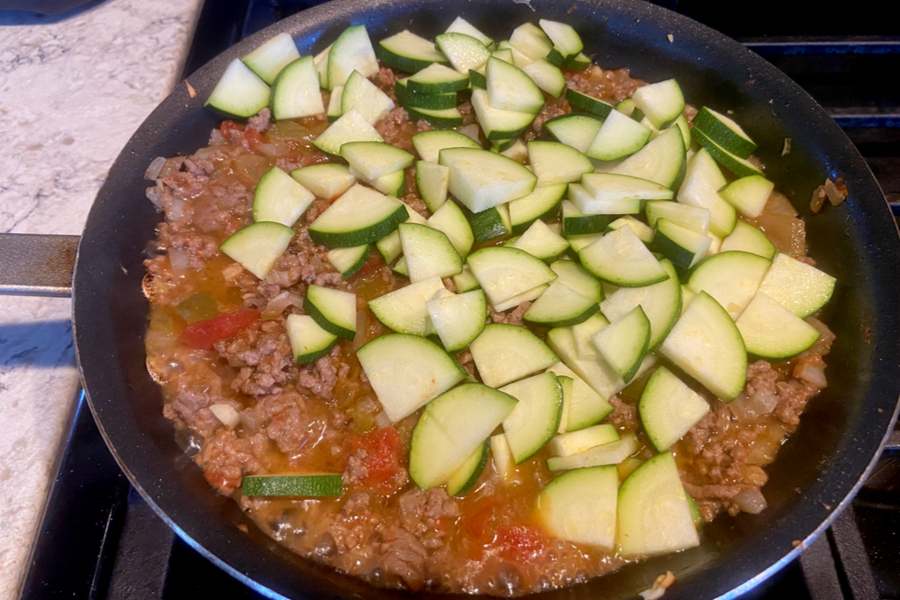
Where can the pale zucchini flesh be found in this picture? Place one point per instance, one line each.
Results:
(458, 319)
(295, 92)
(506, 353)
(334, 310)
(360, 216)
(451, 428)
(731, 278)
(622, 259)
(773, 332)
(661, 302)
(257, 246)
(654, 516)
(505, 272)
(560, 306)
(574, 442)
(580, 506)
(481, 179)
(279, 198)
(536, 416)
(404, 310)
(406, 371)
(707, 345)
(309, 342)
(608, 454)
(669, 409)
(624, 342)
(272, 56)
(799, 287)
(328, 180)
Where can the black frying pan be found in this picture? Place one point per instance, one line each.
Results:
(817, 471)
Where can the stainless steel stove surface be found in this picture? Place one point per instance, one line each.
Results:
(100, 540)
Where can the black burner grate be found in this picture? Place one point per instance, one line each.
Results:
(124, 551)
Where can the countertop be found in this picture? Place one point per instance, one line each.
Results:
(73, 88)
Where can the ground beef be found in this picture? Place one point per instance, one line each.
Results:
(194, 205)
(261, 121)
(403, 555)
(199, 167)
(287, 421)
(426, 514)
(262, 353)
(397, 129)
(226, 458)
(197, 246)
(417, 204)
(304, 263)
(468, 113)
(513, 317)
(611, 85)
(467, 361)
(191, 408)
(386, 78)
(624, 415)
(793, 396)
(715, 453)
(547, 112)
(321, 377)
(353, 529)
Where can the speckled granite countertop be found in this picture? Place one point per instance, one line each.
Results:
(72, 91)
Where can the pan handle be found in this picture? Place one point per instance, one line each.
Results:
(37, 265)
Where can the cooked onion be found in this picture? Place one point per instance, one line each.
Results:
(155, 167)
(814, 376)
(660, 586)
(180, 259)
(204, 153)
(176, 209)
(747, 408)
(226, 414)
(232, 271)
(172, 166)
(470, 131)
(779, 204)
(382, 420)
(280, 302)
(751, 501)
(836, 192)
(154, 195)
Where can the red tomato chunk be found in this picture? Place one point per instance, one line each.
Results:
(203, 334)
(521, 543)
(382, 458)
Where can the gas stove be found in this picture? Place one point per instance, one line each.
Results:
(100, 540)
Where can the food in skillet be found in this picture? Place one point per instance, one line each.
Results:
(477, 318)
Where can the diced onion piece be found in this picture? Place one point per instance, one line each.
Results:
(276, 305)
(154, 168)
(226, 414)
(751, 501)
(814, 376)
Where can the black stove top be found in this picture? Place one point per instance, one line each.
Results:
(100, 540)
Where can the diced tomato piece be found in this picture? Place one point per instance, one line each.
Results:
(203, 334)
(521, 543)
(382, 457)
(252, 139)
(230, 129)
